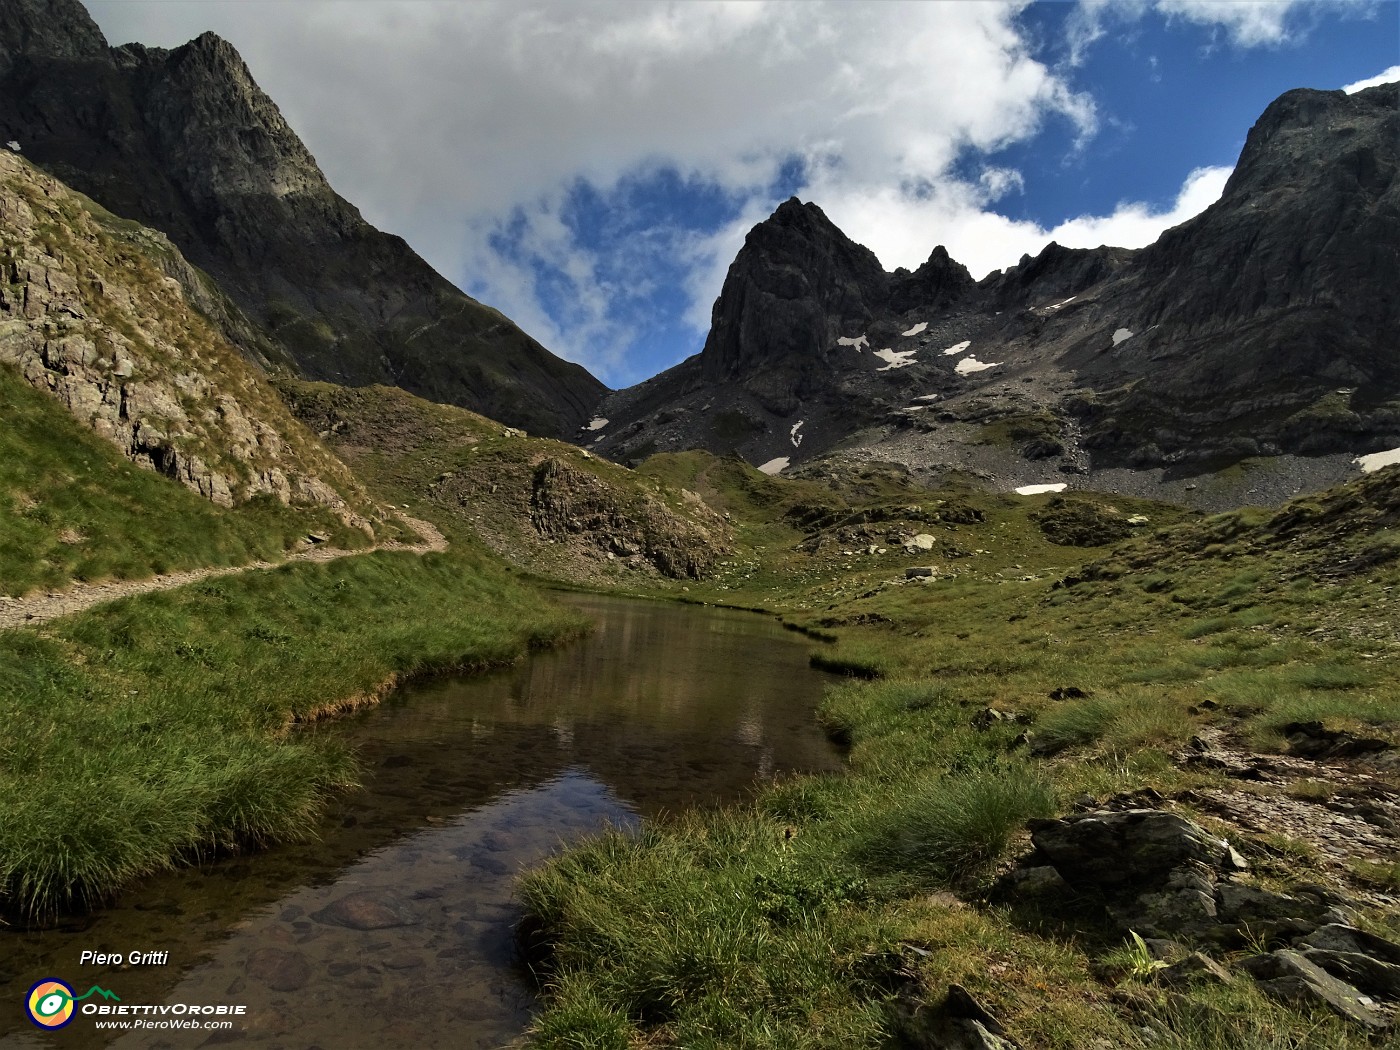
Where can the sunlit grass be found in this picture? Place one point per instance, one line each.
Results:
(146, 731)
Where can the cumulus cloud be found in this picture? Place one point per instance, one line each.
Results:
(1388, 77)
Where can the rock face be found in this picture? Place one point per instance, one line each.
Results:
(184, 141)
(1264, 326)
(90, 313)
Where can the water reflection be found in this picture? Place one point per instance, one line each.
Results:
(393, 929)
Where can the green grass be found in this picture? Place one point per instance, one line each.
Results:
(158, 728)
(794, 922)
(954, 826)
(73, 508)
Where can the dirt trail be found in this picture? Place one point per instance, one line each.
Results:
(36, 608)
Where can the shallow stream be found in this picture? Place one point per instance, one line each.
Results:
(394, 928)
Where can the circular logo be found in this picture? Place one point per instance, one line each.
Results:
(50, 1003)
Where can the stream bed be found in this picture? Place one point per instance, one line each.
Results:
(394, 927)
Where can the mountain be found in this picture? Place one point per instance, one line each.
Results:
(185, 141)
(1262, 331)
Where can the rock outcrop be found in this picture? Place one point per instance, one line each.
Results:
(90, 314)
(1163, 877)
(566, 503)
(184, 141)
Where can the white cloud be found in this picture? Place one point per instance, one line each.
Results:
(1244, 23)
(443, 120)
(1250, 23)
(1389, 76)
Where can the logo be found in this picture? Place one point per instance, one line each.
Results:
(50, 1002)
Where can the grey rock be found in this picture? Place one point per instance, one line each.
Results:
(1043, 881)
(958, 1023)
(1288, 976)
(1111, 851)
(1182, 911)
(1249, 904)
(1372, 976)
(1340, 938)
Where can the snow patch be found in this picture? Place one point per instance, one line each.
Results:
(596, 423)
(1036, 490)
(794, 435)
(927, 397)
(1056, 306)
(1376, 460)
(896, 358)
(775, 465)
(968, 365)
(859, 342)
(1120, 335)
(916, 329)
(13, 145)
(959, 348)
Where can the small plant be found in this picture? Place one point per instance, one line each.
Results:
(1142, 964)
(792, 892)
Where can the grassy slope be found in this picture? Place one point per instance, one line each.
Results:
(804, 920)
(73, 508)
(148, 730)
(473, 478)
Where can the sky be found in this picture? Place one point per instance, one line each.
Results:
(592, 168)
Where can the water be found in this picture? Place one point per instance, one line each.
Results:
(394, 928)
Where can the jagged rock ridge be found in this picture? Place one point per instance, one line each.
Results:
(1266, 326)
(185, 141)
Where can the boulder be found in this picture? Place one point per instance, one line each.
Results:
(368, 910)
(960, 1022)
(280, 970)
(1336, 937)
(1249, 904)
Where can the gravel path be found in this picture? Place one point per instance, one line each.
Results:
(36, 608)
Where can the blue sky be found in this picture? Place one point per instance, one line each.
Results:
(591, 168)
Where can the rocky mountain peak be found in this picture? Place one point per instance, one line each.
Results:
(1263, 327)
(938, 283)
(242, 144)
(1294, 120)
(797, 283)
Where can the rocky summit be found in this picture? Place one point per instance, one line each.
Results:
(185, 141)
(1261, 332)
